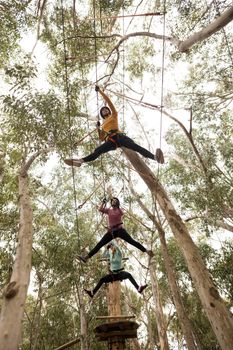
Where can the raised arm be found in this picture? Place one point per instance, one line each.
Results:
(109, 102)
(102, 208)
(114, 243)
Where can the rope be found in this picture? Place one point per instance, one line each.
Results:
(96, 80)
(80, 268)
(162, 81)
(123, 81)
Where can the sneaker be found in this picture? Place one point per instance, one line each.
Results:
(150, 253)
(89, 292)
(83, 258)
(159, 156)
(74, 162)
(141, 288)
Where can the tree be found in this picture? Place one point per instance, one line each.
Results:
(206, 289)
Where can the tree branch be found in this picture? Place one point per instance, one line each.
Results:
(26, 165)
(212, 28)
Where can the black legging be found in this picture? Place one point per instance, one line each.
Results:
(120, 232)
(120, 276)
(121, 140)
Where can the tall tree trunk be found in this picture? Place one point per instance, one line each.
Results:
(185, 323)
(84, 339)
(186, 326)
(161, 322)
(37, 317)
(151, 341)
(213, 305)
(16, 291)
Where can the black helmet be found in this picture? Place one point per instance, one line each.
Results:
(101, 111)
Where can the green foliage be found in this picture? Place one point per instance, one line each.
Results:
(14, 21)
(139, 59)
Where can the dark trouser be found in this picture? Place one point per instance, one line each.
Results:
(120, 232)
(121, 140)
(120, 276)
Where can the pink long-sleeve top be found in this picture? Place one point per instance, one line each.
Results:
(114, 216)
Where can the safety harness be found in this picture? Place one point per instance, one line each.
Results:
(110, 134)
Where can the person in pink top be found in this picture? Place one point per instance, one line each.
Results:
(115, 230)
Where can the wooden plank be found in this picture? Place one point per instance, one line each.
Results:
(115, 326)
(121, 334)
(114, 317)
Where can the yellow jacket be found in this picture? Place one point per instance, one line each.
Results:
(110, 123)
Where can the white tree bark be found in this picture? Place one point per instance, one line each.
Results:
(84, 339)
(16, 291)
(186, 326)
(161, 322)
(185, 323)
(212, 28)
(213, 305)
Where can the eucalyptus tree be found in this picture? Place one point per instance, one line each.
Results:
(212, 303)
(14, 23)
(29, 129)
(209, 96)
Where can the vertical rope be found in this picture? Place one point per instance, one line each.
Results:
(162, 75)
(123, 82)
(162, 84)
(67, 88)
(96, 80)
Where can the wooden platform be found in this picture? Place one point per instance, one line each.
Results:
(122, 329)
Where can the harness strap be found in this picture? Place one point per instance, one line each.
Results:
(111, 229)
(112, 133)
(109, 138)
(115, 226)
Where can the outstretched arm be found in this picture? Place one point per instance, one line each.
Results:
(107, 99)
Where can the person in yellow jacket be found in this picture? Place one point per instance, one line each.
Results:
(113, 137)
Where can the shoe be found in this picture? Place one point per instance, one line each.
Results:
(83, 258)
(74, 162)
(150, 253)
(141, 288)
(89, 292)
(159, 156)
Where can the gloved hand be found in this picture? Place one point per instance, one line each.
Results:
(98, 124)
(97, 88)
